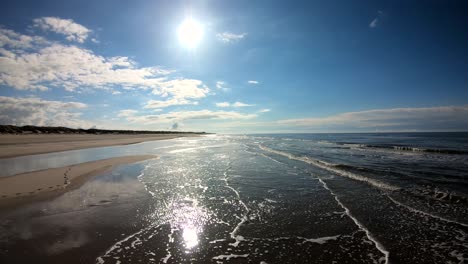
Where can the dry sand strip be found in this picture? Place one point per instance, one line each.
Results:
(59, 179)
(22, 145)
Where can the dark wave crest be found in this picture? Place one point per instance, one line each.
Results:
(407, 148)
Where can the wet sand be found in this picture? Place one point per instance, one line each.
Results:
(22, 145)
(37, 184)
(78, 225)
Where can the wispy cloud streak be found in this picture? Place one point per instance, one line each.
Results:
(73, 31)
(229, 37)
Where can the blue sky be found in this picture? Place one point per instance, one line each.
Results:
(260, 66)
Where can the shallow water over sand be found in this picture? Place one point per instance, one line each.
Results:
(251, 200)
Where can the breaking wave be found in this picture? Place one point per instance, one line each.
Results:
(335, 168)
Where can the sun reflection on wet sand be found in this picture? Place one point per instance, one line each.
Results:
(190, 236)
(188, 218)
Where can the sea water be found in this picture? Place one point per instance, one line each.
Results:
(298, 198)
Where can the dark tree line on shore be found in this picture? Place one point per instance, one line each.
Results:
(9, 129)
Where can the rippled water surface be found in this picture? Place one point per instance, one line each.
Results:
(375, 198)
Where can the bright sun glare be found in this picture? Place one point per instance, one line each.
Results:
(190, 33)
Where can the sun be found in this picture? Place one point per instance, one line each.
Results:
(190, 33)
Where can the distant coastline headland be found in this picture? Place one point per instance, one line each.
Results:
(10, 129)
(18, 141)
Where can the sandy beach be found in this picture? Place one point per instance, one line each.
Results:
(22, 145)
(59, 180)
(42, 183)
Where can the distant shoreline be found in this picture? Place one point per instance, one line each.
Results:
(12, 145)
(20, 130)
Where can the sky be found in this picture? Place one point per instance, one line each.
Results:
(235, 66)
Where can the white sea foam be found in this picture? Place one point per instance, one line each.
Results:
(321, 240)
(166, 258)
(136, 242)
(320, 164)
(216, 241)
(238, 240)
(458, 255)
(243, 219)
(228, 257)
(118, 244)
(414, 210)
(331, 167)
(271, 158)
(378, 245)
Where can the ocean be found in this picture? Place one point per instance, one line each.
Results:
(279, 198)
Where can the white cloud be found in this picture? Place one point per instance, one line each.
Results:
(127, 113)
(264, 110)
(172, 117)
(35, 111)
(376, 21)
(223, 104)
(73, 31)
(31, 63)
(252, 82)
(222, 85)
(240, 104)
(72, 67)
(116, 92)
(446, 118)
(11, 39)
(228, 37)
(373, 23)
(426, 118)
(181, 88)
(236, 104)
(167, 103)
